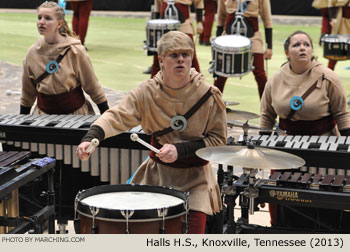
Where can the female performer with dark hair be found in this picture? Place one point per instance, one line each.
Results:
(309, 99)
(57, 70)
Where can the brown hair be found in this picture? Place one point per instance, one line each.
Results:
(58, 10)
(174, 41)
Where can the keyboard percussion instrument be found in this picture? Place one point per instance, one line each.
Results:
(315, 176)
(17, 169)
(58, 136)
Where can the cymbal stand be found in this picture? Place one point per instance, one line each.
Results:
(229, 191)
(251, 191)
(171, 11)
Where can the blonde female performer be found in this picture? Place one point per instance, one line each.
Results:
(57, 69)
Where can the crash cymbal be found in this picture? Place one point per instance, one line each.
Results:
(240, 115)
(231, 103)
(250, 157)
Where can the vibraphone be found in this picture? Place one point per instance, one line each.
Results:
(16, 170)
(58, 136)
(303, 189)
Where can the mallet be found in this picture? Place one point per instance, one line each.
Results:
(94, 143)
(135, 137)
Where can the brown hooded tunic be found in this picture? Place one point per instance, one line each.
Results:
(152, 104)
(75, 69)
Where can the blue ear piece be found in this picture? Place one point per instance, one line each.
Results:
(296, 103)
(52, 67)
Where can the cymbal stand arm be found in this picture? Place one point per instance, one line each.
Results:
(245, 128)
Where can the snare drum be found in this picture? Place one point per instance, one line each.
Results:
(232, 55)
(155, 28)
(336, 47)
(135, 209)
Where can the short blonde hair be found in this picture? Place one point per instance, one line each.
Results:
(174, 41)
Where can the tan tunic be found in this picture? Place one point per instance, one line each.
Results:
(328, 98)
(255, 8)
(75, 69)
(152, 105)
(187, 26)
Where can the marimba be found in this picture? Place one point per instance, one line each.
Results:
(59, 135)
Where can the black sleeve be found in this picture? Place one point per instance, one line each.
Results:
(103, 107)
(219, 30)
(25, 110)
(345, 132)
(199, 15)
(187, 149)
(332, 11)
(94, 132)
(268, 37)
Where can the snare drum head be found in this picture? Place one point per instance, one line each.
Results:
(231, 41)
(113, 201)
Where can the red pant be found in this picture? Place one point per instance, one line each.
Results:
(156, 67)
(210, 7)
(196, 222)
(81, 14)
(331, 64)
(259, 73)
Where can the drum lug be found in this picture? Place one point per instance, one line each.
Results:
(94, 211)
(127, 214)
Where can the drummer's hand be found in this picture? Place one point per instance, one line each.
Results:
(168, 153)
(268, 54)
(81, 151)
(200, 27)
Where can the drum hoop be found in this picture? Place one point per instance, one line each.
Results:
(139, 213)
(225, 49)
(163, 25)
(133, 220)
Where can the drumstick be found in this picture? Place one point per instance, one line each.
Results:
(94, 143)
(135, 137)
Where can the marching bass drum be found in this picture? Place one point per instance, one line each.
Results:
(232, 55)
(130, 208)
(155, 29)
